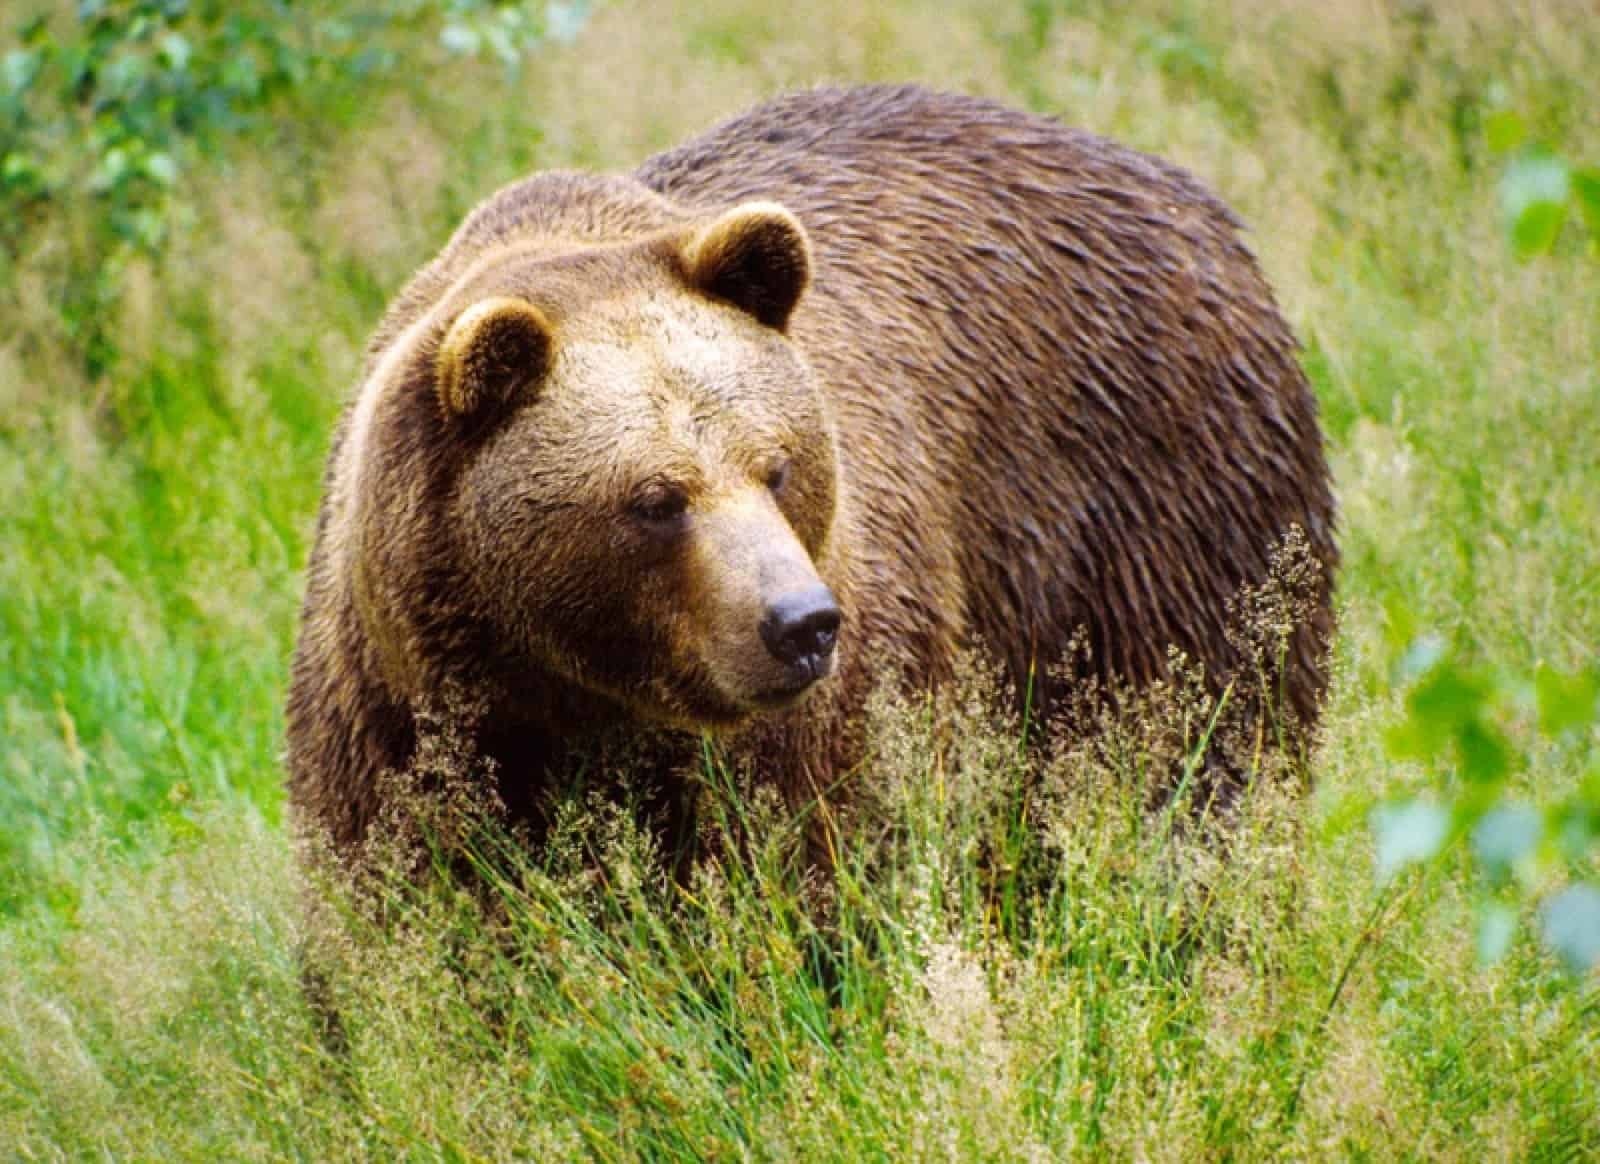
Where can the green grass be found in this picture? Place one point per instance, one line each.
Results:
(1135, 1003)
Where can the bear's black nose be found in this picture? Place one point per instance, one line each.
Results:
(799, 628)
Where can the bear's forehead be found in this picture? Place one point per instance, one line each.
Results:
(670, 349)
(668, 323)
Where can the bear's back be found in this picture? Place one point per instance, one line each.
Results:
(1065, 397)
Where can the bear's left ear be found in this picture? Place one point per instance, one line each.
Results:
(494, 350)
(756, 256)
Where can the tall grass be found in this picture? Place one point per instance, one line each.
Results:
(975, 980)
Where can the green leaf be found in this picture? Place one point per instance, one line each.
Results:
(1407, 833)
(161, 168)
(18, 69)
(123, 75)
(1567, 701)
(241, 75)
(1536, 229)
(1497, 924)
(1507, 834)
(1400, 631)
(175, 51)
(35, 31)
(1409, 740)
(147, 229)
(1574, 829)
(1576, 824)
(19, 171)
(1448, 696)
(1440, 706)
(1420, 657)
(1504, 130)
(1589, 787)
(1533, 196)
(498, 37)
(1586, 192)
(460, 39)
(1572, 926)
(1485, 755)
(110, 172)
(1534, 177)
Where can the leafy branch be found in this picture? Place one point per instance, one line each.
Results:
(1474, 730)
(115, 104)
(1540, 189)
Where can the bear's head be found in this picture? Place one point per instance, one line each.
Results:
(647, 476)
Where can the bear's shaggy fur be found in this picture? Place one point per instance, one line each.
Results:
(991, 381)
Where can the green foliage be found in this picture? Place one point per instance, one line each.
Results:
(1474, 730)
(117, 105)
(507, 31)
(1540, 189)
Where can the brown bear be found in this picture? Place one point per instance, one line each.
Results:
(850, 384)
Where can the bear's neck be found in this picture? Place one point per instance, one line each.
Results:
(539, 737)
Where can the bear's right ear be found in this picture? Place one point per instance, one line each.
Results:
(495, 349)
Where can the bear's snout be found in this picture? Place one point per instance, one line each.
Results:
(800, 629)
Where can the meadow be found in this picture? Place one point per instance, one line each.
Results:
(167, 393)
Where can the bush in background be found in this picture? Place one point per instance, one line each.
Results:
(103, 113)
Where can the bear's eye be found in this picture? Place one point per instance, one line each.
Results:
(660, 505)
(778, 477)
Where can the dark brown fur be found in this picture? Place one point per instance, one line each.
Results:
(1052, 392)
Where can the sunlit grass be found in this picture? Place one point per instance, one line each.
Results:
(154, 524)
